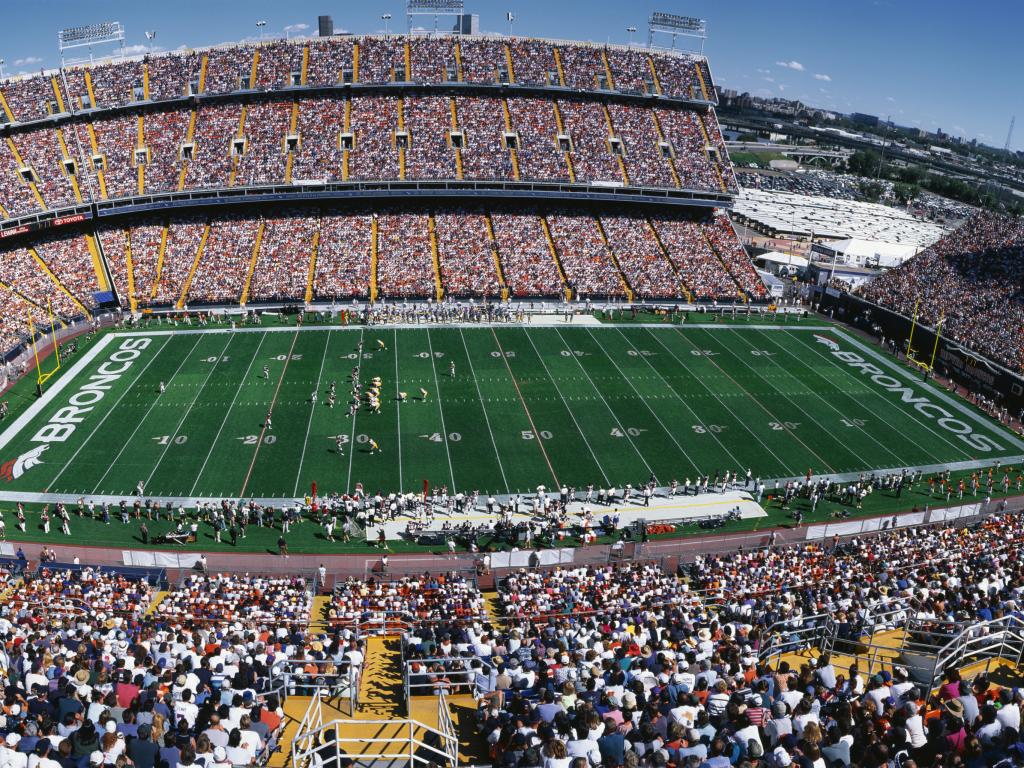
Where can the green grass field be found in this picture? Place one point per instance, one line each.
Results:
(527, 406)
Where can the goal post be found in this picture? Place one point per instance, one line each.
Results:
(913, 355)
(43, 376)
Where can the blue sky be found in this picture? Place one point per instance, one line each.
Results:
(938, 64)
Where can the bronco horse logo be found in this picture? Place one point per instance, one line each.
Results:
(15, 468)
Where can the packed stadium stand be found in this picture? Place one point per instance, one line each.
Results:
(973, 281)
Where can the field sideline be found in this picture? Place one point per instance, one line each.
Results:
(528, 405)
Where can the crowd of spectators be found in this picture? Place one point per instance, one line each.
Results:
(646, 159)
(589, 269)
(220, 274)
(631, 71)
(376, 153)
(588, 129)
(482, 60)
(165, 134)
(405, 264)
(430, 154)
(698, 267)
(58, 592)
(644, 265)
(319, 155)
(229, 69)
(696, 168)
(14, 318)
(70, 261)
(538, 151)
(432, 59)
(214, 154)
(466, 255)
(726, 244)
(116, 142)
(266, 125)
(282, 265)
(343, 257)
(41, 152)
(15, 190)
(526, 260)
(583, 67)
(184, 236)
(973, 279)
(484, 154)
(428, 597)
(282, 602)
(328, 61)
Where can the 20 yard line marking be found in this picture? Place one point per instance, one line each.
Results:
(142, 421)
(270, 411)
(312, 412)
(571, 414)
(529, 416)
(227, 414)
(107, 414)
(440, 410)
(487, 421)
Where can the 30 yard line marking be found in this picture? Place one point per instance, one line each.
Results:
(487, 421)
(785, 467)
(227, 414)
(644, 401)
(270, 411)
(615, 418)
(522, 401)
(107, 414)
(142, 421)
(572, 415)
(760, 405)
(188, 411)
(440, 410)
(355, 414)
(670, 388)
(312, 413)
(871, 437)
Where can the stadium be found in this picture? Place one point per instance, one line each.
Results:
(411, 399)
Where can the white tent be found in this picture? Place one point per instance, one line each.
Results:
(778, 257)
(872, 252)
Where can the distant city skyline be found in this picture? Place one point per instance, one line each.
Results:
(932, 66)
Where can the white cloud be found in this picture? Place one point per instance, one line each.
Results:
(763, 71)
(890, 99)
(782, 87)
(293, 28)
(790, 65)
(28, 61)
(135, 50)
(768, 79)
(824, 78)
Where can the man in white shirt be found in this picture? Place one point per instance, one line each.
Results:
(185, 709)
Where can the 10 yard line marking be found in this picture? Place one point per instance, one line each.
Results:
(529, 416)
(355, 414)
(270, 412)
(107, 414)
(440, 410)
(146, 416)
(487, 421)
(191, 405)
(312, 412)
(567, 408)
(213, 445)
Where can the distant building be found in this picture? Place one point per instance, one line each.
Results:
(861, 119)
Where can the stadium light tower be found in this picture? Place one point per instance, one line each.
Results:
(631, 31)
(2, 62)
(386, 17)
(260, 25)
(89, 35)
(151, 36)
(675, 25)
(433, 8)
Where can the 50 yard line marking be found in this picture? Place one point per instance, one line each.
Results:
(526, 409)
(312, 413)
(107, 414)
(270, 411)
(138, 426)
(213, 445)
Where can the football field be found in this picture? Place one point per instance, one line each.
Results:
(527, 405)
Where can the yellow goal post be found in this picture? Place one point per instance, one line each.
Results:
(43, 376)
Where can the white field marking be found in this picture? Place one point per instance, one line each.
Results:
(440, 410)
(710, 391)
(355, 415)
(572, 415)
(398, 416)
(848, 375)
(138, 426)
(51, 394)
(644, 401)
(670, 388)
(312, 412)
(227, 414)
(106, 416)
(188, 410)
(487, 421)
(762, 406)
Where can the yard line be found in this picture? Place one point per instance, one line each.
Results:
(440, 409)
(146, 416)
(227, 413)
(760, 405)
(355, 414)
(188, 411)
(107, 414)
(487, 421)
(312, 413)
(571, 414)
(711, 392)
(871, 437)
(270, 410)
(644, 401)
(879, 395)
(398, 416)
(737, 463)
(522, 401)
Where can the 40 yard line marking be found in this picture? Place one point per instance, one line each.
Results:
(107, 414)
(270, 410)
(483, 407)
(227, 414)
(312, 413)
(440, 409)
(142, 421)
